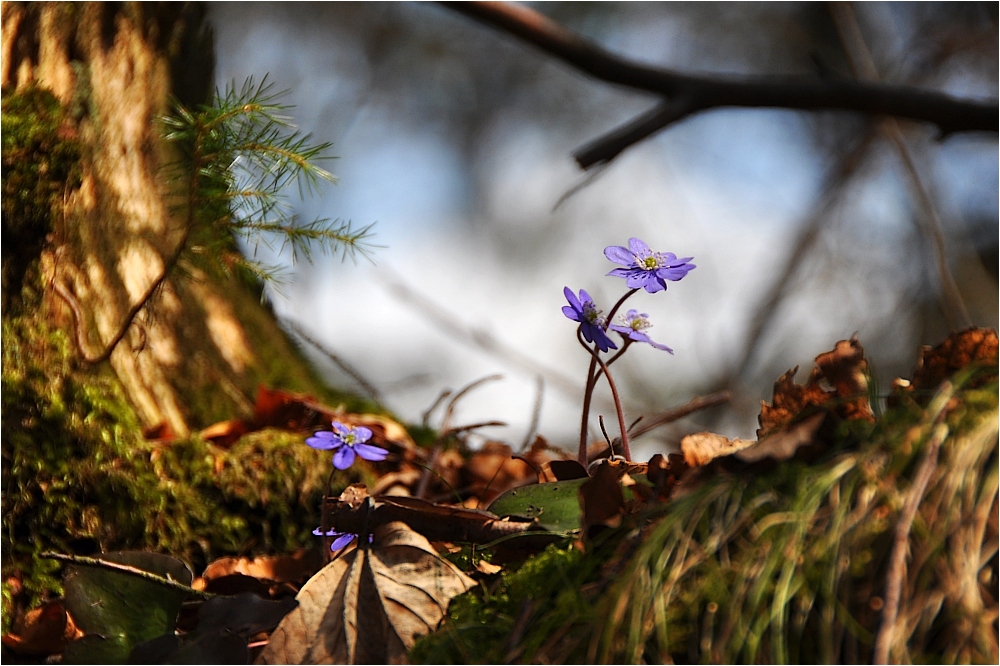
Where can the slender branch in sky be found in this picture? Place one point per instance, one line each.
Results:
(686, 95)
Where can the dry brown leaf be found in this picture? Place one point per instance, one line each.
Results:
(43, 631)
(370, 605)
(601, 499)
(785, 443)
(277, 568)
(487, 568)
(703, 447)
(491, 470)
(844, 369)
(973, 345)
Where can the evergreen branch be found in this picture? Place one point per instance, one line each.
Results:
(243, 151)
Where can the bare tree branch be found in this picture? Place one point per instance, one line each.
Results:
(860, 57)
(687, 95)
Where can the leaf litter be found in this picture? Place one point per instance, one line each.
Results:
(374, 601)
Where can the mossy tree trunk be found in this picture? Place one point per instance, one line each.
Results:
(197, 353)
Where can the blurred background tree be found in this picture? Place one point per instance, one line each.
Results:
(459, 141)
(807, 226)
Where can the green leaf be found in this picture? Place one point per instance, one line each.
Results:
(119, 610)
(556, 506)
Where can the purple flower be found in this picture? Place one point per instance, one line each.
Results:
(646, 269)
(342, 540)
(592, 324)
(348, 442)
(632, 327)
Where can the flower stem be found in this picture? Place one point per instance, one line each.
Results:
(323, 525)
(614, 394)
(592, 376)
(588, 393)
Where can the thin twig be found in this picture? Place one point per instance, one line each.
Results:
(897, 560)
(687, 95)
(475, 337)
(863, 65)
(766, 310)
(367, 386)
(462, 392)
(702, 402)
(79, 321)
(126, 569)
(536, 412)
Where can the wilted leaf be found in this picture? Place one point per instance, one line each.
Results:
(277, 568)
(785, 443)
(973, 345)
(701, 448)
(370, 605)
(492, 469)
(601, 499)
(567, 470)
(556, 506)
(844, 369)
(43, 631)
(119, 610)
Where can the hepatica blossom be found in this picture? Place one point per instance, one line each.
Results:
(347, 442)
(645, 269)
(341, 539)
(592, 324)
(632, 327)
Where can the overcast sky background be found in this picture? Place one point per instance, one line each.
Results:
(456, 142)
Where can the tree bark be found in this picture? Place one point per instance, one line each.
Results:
(194, 355)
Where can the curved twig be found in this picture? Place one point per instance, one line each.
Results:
(79, 321)
(702, 402)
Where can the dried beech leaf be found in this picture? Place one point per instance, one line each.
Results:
(492, 470)
(844, 369)
(370, 605)
(973, 345)
(43, 631)
(278, 568)
(784, 444)
(601, 499)
(703, 447)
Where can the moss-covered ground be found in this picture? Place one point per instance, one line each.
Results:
(781, 565)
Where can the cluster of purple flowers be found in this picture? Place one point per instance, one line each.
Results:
(642, 269)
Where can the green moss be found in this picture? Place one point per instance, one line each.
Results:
(548, 588)
(78, 476)
(40, 162)
(777, 566)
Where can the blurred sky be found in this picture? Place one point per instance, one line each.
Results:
(456, 142)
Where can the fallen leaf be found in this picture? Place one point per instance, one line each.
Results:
(491, 470)
(43, 631)
(973, 345)
(785, 443)
(370, 605)
(701, 448)
(664, 473)
(487, 568)
(119, 610)
(844, 369)
(567, 470)
(601, 499)
(225, 433)
(278, 568)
